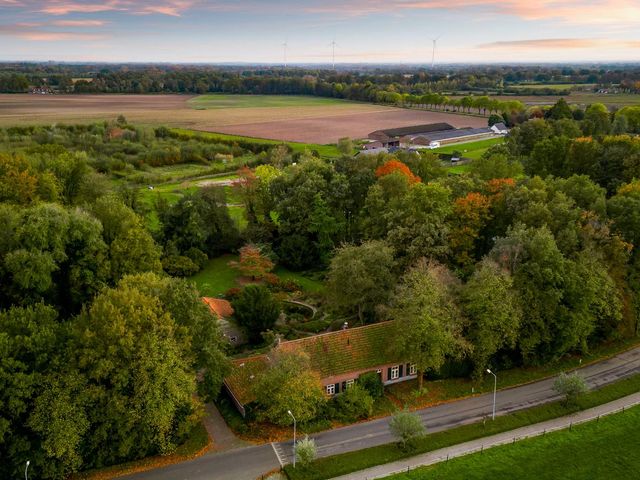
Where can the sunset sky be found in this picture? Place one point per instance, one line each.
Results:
(365, 30)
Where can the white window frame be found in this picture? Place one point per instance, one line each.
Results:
(350, 383)
(413, 369)
(330, 389)
(395, 372)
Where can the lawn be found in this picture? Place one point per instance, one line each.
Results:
(217, 277)
(207, 102)
(342, 464)
(471, 150)
(604, 449)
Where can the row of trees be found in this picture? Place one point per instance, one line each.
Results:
(348, 83)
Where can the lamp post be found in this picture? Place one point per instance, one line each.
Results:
(495, 385)
(294, 438)
(26, 468)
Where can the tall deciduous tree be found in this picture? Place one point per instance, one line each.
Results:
(494, 313)
(428, 322)
(360, 278)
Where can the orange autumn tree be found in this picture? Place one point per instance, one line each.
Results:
(253, 263)
(471, 214)
(393, 166)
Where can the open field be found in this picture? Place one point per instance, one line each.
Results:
(215, 101)
(553, 86)
(323, 122)
(578, 98)
(604, 449)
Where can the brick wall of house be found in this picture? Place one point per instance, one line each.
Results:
(340, 381)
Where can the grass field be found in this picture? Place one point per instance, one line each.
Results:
(552, 86)
(218, 277)
(216, 101)
(603, 450)
(471, 150)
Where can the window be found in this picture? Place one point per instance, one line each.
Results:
(331, 389)
(350, 383)
(395, 372)
(412, 369)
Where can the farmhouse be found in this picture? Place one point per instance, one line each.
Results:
(339, 358)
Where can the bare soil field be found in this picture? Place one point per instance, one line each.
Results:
(329, 128)
(322, 123)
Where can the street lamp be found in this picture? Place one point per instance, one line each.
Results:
(294, 437)
(495, 385)
(25, 470)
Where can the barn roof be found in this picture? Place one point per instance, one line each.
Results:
(415, 129)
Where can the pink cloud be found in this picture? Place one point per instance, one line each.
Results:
(78, 23)
(560, 44)
(63, 7)
(34, 32)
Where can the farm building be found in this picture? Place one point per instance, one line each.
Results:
(393, 137)
(433, 135)
(338, 357)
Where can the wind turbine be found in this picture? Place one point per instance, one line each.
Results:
(333, 53)
(284, 47)
(433, 52)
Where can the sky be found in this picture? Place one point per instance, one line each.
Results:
(364, 31)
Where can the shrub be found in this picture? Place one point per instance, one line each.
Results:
(306, 451)
(354, 404)
(179, 266)
(314, 326)
(197, 256)
(406, 427)
(572, 386)
(372, 383)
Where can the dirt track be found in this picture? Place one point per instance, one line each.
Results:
(313, 124)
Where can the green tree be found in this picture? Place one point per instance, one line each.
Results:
(30, 341)
(289, 385)
(495, 166)
(560, 110)
(256, 311)
(572, 386)
(406, 427)
(345, 146)
(428, 322)
(492, 307)
(360, 278)
(140, 383)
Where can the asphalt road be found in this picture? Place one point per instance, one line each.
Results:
(249, 463)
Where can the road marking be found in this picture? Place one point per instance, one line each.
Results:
(275, 450)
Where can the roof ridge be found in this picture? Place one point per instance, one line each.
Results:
(335, 333)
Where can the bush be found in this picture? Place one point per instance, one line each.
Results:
(306, 451)
(572, 386)
(406, 427)
(179, 266)
(354, 404)
(197, 256)
(372, 383)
